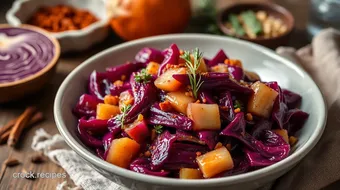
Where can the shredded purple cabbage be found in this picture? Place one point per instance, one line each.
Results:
(173, 140)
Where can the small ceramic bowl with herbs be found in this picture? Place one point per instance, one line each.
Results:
(76, 24)
(266, 24)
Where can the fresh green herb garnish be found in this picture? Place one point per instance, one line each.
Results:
(158, 129)
(143, 76)
(195, 82)
(250, 20)
(236, 25)
(238, 104)
(121, 117)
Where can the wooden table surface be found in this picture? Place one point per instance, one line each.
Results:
(44, 101)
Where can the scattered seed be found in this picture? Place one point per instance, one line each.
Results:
(10, 162)
(37, 158)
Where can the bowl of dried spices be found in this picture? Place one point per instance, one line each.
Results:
(267, 24)
(76, 24)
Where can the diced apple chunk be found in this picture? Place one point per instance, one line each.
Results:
(106, 111)
(283, 133)
(138, 131)
(179, 101)
(261, 102)
(152, 68)
(205, 116)
(167, 82)
(215, 162)
(190, 173)
(122, 151)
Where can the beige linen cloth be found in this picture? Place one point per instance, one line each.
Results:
(321, 166)
(317, 170)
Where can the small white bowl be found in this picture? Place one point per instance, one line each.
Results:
(75, 40)
(265, 62)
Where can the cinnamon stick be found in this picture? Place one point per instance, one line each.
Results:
(37, 117)
(4, 137)
(8, 126)
(19, 125)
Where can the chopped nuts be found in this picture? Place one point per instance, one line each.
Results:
(267, 25)
(165, 106)
(60, 18)
(233, 62)
(147, 154)
(140, 117)
(118, 83)
(237, 110)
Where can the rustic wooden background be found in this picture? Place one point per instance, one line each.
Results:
(44, 101)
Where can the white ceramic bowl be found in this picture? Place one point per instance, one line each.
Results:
(270, 66)
(75, 40)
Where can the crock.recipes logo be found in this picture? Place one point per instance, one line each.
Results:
(32, 175)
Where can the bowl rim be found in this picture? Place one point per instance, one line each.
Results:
(230, 180)
(49, 65)
(270, 5)
(15, 21)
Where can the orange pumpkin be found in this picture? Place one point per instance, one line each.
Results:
(133, 19)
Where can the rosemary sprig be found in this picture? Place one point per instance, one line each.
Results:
(195, 82)
(121, 117)
(158, 129)
(238, 104)
(143, 76)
